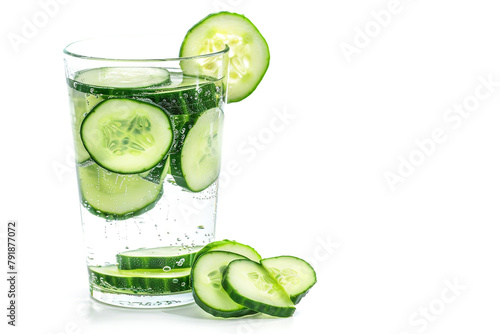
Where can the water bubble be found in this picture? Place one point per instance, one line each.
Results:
(175, 281)
(167, 268)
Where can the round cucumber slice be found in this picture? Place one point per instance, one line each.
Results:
(113, 80)
(248, 56)
(249, 284)
(127, 136)
(114, 196)
(196, 166)
(171, 257)
(295, 275)
(231, 246)
(206, 279)
(153, 281)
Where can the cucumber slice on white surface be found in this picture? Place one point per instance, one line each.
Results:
(170, 257)
(127, 136)
(231, 246)
(153, 281)
(206, 276)
(196, 166)
(249, 284)
(295, 275)
(248, 56)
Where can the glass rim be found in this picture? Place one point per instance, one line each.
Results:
(80, 55)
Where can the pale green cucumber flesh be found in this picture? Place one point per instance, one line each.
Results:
(295, 275)
(206, 276)
(81, 105)
(153, 281)
(196, 166)
(231, 246)
(115, 196)
(248, 57)
(249, 284)
(166, 258)
(118, 80)
(158, 173)
(127, 136)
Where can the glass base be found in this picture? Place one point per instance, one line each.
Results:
(142, 301)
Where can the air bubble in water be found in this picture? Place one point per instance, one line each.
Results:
(167, 268)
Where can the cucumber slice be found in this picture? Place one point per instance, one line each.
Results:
(157, 258)
(158, 173)
(196, 166)
(248, 56)
(82, 104)
(153, 281)
(120, 80)
(127, 136)
(231, 246)
(295, 275)
(114, 196)
(193, 99)
(249, 284)
(206, 279)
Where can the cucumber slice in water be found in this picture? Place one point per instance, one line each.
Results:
(206, 279)
(117, 80)
(127, 136)
(295, 275)
(153, 281)
(196, 166)
(114, 196)
(231, 246)
(188, 100)
(248, 56)
(158, 173)
(82, 104)
(249, 284)
(165, 258)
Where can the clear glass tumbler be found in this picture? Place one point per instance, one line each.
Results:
(147, 133)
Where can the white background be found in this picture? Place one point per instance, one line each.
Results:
(316, 188)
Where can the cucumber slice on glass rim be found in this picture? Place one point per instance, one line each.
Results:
(248, 56)
(127, 136)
